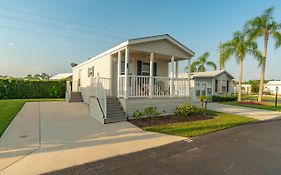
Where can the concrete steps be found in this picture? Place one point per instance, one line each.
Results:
(115, 112)
(75, 97)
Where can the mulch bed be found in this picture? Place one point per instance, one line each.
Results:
(252, 103)
(153, 121)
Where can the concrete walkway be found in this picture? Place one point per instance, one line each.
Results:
(48, 136)
(258, 114)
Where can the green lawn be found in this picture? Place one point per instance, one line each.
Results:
(269, 105)
(264, 97)
(10, 108)
(191, 129)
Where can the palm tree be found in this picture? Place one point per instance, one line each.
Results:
(264, 26)
(200, 64)
(221, 63)
(239, 47)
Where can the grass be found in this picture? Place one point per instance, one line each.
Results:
(196, 128)
(264, 97)
(10, 108)
(268, 105)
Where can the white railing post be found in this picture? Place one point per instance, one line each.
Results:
(189, 77)
(126, 72)
(151, 75)
(172, 76)
(118, 73)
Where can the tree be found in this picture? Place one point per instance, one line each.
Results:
(264, 26)
(222, 64)
(200, 64)
(239, 47)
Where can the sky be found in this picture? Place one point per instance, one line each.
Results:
(39, 36)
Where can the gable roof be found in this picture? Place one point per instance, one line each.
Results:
(207, 74)
(61, 76)
(210, 74)
(137, 41)
(273, 83)
(160, 37)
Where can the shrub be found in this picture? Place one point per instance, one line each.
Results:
(151, 112)
(24, 89)
(216, 98)
(148, 112)
(137, 114)
(186, 110)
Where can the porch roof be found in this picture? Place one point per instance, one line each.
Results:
(138, 41)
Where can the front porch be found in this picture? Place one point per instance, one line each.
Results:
(138, 73)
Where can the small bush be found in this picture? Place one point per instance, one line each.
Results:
(151, 112)
(148, 112)
(186, 110)
(217, 98)
(137, 114)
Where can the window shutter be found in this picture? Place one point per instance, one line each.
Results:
(227, 86)
(154, 69)
(139, 67)
(216, 86)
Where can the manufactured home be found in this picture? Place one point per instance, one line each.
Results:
(209, 83)
(131, 76)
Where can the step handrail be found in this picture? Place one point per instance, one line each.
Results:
(101, 95)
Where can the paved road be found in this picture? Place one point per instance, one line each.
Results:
(258, 114)
(48, 136)
(245, 150)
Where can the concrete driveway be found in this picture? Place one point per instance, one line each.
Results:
(47, 136)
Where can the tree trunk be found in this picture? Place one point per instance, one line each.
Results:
(263, 68)
(240, 78)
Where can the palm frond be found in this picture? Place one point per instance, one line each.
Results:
(277, 37)
(212, 64)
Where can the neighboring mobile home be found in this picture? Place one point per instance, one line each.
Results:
(270, 87)
(210, 83)
(136, 74)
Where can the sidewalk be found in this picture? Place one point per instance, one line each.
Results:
(258, 114)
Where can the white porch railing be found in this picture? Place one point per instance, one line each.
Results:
(104, 82)
(101, 88)
(139, 86)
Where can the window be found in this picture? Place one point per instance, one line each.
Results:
(145, 69)
(197, 93)
(209, 91)
(91, 71)
(223, 86)
(122, 67)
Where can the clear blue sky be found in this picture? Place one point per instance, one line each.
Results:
(47, 35)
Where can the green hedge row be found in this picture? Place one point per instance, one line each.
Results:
(224, 98)
(24, 89)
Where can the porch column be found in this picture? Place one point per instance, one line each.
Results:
(176, 76)
(172, 76)
(189, 77)
(177, 70)
(151, 75)
(118, 72)
(126, 72)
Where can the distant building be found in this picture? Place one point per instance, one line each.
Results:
(62, 76)
(271, 87)
(246, 89)
(210, 83)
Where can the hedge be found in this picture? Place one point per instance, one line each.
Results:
(216, 98)
(25, 89)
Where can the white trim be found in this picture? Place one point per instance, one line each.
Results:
(135, 41)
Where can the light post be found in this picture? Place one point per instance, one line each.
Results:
(276, 90)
